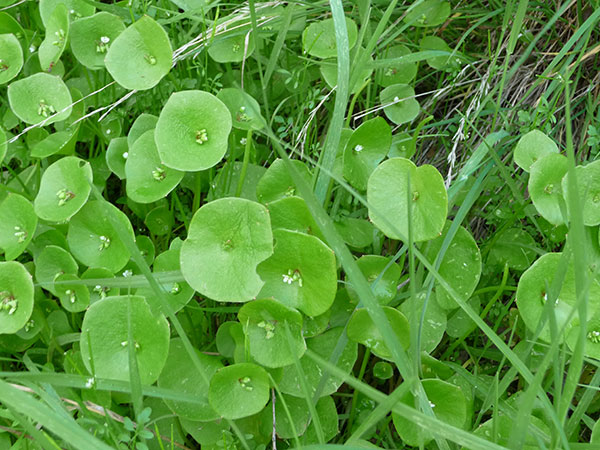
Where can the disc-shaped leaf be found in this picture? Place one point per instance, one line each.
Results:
(403, 145)
(434, 320)
(104, 338)
(501, 427)
(429, 13)
(11, 61)
(515, 247)
(3, 144)
(323, 345)
(397, 73)
(244, 109)
(148, 178)
(427, 198)
(329, 71)
(365, 149)
(459, 323)
(294, 409)
(399, 104)
(140, 56)
(64, 189)
(328, 419)
(116, 155)
(357, 233)
(91, 37)
(265, 324)
(545, 187)
(301, 273)
(292, 213)
(17, 226)
(93, 240)
(100, 291)
(318, 39)
(230, 49)
(179, 293)
(142, 123)
(277, 183)
(239, 390)
(363, 330)
(53, 144)
(448, 403)
(592, 344)
(57, 35)
(76, 8)
(227, 239)
(73, 296)
(588, 192)
(16, 297)
(531, 147)
(51, 262)
(461, 266)
(382, 275)
(192, 131)
(38, 97)
(181, 375)
(532, 296)
(435, 43)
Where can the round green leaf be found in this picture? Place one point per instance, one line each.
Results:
(292, 213)
(181, 375)
(449, 62)
(104, 338)
(588, 186)
(429, 13)
(460, 267)
(142, 123)
(55, 41)
(91, 37)
(159, 221)
(399, 103)
(318, 39)
(53, 144)
(532, 296)
(40, 98)
(140, 56)
(244, 109)
(265, 323)
(365, 149)
(76, 9)
(99, 291)
(74, 297)
(16, 297)
(459, 323)
(531, 147)
(382, 276)
(427, 198)
(230, 49)
(227, 239)
(51, 262)
(500, 430)
(448, 403)
(179, 293)
(357, 233)
(301, 273)
(545, 187)
(515, 247)
(296, 410)
(3, 144)
(397, 73)
(17, 226)
(329, 71)
(363, 330)
(328, 418)
(116, 155)
(239, 390)
(592, 343)
(192, 131)
(434, 320)
(11, 61)
(403, 145)
(148, 178)
(277, 183)
(64, 189)
(93, 240)
(324, 346)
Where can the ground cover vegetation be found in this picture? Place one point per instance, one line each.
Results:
(230, 225)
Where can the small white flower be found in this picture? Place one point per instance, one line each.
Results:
(125, 155)
(105, 39)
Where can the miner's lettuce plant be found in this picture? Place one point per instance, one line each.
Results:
(228, 226)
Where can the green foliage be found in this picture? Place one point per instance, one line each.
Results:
(244, 226)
